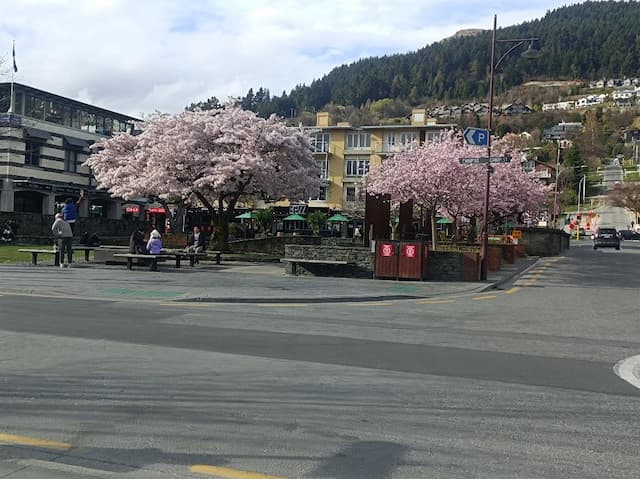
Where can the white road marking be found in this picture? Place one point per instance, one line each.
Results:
(629, 370)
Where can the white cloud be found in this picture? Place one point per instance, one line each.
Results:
(139, 56)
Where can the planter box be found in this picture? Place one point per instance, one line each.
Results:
(494, 258)
(509, 253)
(521, 251)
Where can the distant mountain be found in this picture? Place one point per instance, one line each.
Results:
(592, 40)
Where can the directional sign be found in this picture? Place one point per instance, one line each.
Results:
(476, 136)
(473, 161)
(493, 159)
(500, 159)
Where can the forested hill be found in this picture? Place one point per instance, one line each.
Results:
(588, 41)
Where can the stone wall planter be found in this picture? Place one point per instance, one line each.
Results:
(494, 258)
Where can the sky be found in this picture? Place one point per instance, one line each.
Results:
(140, 56)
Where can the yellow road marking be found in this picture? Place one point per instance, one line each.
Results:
(373, 303)
(188, 305)
(515, 289)
(230, 473)
(480, 298)
(33, 441)
(436, 301)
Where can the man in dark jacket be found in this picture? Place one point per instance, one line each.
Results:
(137, 244)
(197, 242)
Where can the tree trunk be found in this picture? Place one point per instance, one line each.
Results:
(434, 239)
(175, 223)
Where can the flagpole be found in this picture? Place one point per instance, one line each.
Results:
(13, 70)
(11, 106)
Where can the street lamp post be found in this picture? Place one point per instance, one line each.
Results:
(529, 53)
(555, 190)
(582, 185)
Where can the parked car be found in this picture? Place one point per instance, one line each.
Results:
(629, 235)
(606, 237)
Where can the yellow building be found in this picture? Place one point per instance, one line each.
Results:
(345, 154)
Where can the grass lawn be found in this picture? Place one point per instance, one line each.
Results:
(10, 253)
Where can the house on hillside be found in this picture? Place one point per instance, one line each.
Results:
(515, 108)
(562, 131)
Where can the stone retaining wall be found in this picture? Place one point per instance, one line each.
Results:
(275, 245)
(446, 266)
(362, 258)
(544, 241)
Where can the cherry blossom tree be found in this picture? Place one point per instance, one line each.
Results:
(432, 176)
(514, 191)
(214, 158)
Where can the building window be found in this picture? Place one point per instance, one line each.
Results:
(432, 136)
(32, 152)
(322, 194)
(357, 140)
(324, 169)
(71, 161)
(34, 107)
(358, 166)
(320, 142)
(53, 112)
(350, 193)
(406, 138)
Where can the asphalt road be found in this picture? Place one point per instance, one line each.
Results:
(503, 384)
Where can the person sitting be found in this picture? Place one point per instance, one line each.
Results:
(84, 239)
(93, 241)
(137, 244)
(154, 245)
(197, 242)
(7, 234)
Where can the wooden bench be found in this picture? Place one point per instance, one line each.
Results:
(294, 262)
(193, 256)
(36, 252)
(166, 254)
(153, 257)
(56, 257)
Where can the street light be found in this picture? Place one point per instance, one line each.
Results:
(582, 185)
(530, 52)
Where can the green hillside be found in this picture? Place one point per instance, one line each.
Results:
(588, 41)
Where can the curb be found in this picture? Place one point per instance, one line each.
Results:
(499, 284)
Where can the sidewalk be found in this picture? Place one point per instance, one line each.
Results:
(231, 282)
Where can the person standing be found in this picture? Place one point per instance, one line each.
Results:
(70, 210)
(64, 238)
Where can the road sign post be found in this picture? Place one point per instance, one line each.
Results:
(476, 136)
(485, 159)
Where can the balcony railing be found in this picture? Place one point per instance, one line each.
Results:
(387, 149)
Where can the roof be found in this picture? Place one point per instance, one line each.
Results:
(65, 99)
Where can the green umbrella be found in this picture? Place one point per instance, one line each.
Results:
(249, 215)
(294, 218)
(338, 218)
(444, 221)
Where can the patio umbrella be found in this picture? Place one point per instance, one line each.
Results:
(248, 215)
(338, 218)
(294, 217)
(444, 221)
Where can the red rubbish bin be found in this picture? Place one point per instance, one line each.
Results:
(410, 262)
(387, 259)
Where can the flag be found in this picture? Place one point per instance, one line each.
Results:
(15, 67)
